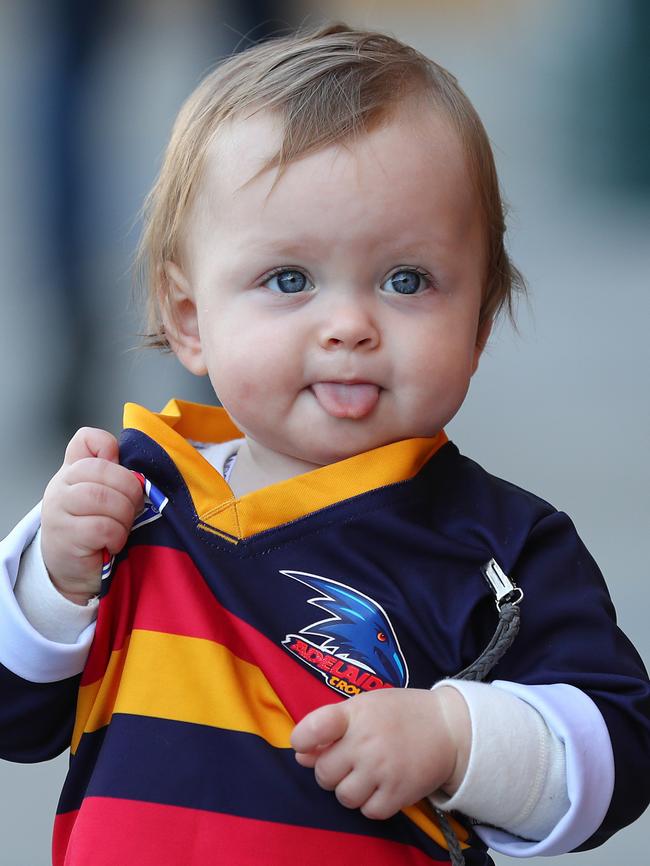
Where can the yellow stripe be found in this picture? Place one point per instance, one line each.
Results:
(186, 679)
(423, 816)
(96, 700)
(279, 503)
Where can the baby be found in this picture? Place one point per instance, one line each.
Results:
(325, 242)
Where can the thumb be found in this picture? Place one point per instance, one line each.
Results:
(320, 728)
(91, 442)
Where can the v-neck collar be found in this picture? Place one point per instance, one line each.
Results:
(181, 423)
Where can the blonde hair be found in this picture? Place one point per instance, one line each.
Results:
(326, 86)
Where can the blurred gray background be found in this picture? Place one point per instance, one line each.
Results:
(87, 96)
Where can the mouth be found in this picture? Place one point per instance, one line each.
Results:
(346, 399)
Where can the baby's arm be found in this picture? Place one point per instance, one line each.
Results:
(480, 749)
(39, 667)
(540, 760)
(39, 677)
(50, 613)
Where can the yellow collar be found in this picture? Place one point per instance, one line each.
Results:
(235, 519)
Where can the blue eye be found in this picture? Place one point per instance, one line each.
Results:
(405, 282)
(288, 282)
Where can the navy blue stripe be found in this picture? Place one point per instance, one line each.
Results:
(36, 719)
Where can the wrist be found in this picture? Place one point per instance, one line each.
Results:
(78, 591)
(68, 577)
(80, 598)
(74, 594)
(456, 718)
(48, 612)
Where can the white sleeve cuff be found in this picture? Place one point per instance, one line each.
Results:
(52, 615)
(23, 650)
(575, 719)
(516, 777)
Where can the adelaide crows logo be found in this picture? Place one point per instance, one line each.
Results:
(354, 648)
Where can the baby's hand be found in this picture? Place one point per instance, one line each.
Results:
(89, 505)
(385, 750)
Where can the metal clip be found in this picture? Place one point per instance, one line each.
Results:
(505, 591)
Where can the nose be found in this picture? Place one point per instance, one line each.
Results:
(349, 327)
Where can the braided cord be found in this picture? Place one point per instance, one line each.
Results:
(453, 845)
(506, 632)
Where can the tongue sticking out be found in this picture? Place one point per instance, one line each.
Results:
(346, 401)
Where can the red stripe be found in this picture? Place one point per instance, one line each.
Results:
(160, 589)
(63, 827)
(128, 832)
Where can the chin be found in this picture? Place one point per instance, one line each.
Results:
(330, 453)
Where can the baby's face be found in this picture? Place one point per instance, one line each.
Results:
(337, 310)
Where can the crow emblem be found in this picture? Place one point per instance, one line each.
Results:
(354, 647)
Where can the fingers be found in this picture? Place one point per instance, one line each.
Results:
(92, 473)
(355, 791)
(379, 807)
(91, 442)
(321, 743)
(320, 728)
(308, 759)
(93, 533)
(88, 498)
(332, 766)
(354, 781)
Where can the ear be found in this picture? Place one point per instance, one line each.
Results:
(180, 318)
(482, 337)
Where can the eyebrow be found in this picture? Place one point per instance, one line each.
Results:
(406, 246)
(282, 246)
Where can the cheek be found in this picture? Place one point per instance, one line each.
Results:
(242, 396)
(236, 375)
(439, 361)
(254, 349)
(244, 372)
(246, 391)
